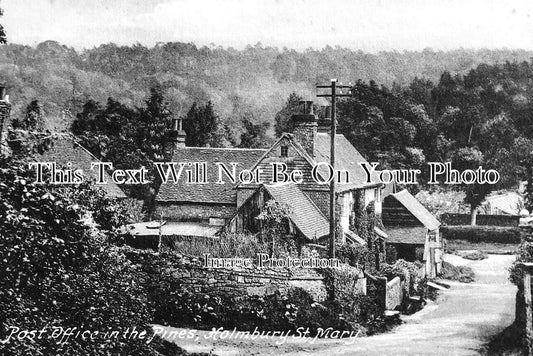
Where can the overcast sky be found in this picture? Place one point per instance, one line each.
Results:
(370, 25)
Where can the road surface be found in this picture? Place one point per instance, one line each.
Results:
(462, 320)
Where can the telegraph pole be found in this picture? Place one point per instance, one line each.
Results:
(332, 197)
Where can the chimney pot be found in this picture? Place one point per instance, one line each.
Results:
(306, 107)
(177, 135)
(305, 126)
(2, 92)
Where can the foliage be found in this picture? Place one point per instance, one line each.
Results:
(128, 138)
(408, 272)
(482, 233)
(226, 245)
(275, 226)
(362, 222)
(525, 254)
(440, 201)
(463, 274)
(34, 118)
(60, 269)
(254, 135)
(3, 37)
(204, 127)
(353, 254)
(475, 256)
(283, 118)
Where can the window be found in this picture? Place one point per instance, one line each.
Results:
(284, 151)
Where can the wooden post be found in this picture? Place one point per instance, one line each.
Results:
(332, 200)
(332, 196)
(529, 313)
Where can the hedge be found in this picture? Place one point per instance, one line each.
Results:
(508, 235)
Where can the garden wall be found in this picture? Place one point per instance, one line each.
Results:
(236, 282)
(481, 219)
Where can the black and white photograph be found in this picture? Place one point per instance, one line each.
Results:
(274, 177)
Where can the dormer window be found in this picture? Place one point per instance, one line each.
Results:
(284, 151)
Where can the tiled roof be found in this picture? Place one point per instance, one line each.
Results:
(346, 158)
(208, 193)
(304, 213)
(417, 209)
(65, 148)
(413, 235)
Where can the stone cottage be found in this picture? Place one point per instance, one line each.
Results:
(235, 206)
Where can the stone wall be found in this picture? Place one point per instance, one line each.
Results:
(237, 282)
(242, 282)
(193, 212)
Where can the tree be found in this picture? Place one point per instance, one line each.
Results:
(254, 135)
(60, 269)
(34, 118)
(471, 158)
(3, 37)
(284, 116)
(204, 127)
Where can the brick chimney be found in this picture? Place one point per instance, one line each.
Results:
(177, 134)
(305, 127)
(5, 110)
(324, 123)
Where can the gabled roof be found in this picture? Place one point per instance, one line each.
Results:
(211, 192)
(304, 213)
(346, 158)
(417, 209)
(65, 148)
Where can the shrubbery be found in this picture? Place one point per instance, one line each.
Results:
(475, 256)
(354, 255)
(507, 235)
(463, 274)
(525, 254)
(408, 272)
(58, 269)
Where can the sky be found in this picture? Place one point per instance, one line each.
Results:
(368, 25)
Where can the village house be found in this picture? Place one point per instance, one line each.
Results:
(208, 209)
(199, 209)
(412, 231)
(235, 206)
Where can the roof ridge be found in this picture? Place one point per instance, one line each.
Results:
(222, 148)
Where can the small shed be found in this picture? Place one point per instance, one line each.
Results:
(413, 231)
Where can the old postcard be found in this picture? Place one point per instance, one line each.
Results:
(240, 177)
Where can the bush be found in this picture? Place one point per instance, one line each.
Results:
(507, 235)
(463, 274)
(408, 272)
(525, 254)
(354, 255)
(475, 256)
(176, 306)
(59, 270)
